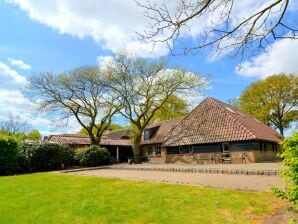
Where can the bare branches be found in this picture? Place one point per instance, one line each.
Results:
(15, 124)
(221, 25)
(144, 87)
(79, 94)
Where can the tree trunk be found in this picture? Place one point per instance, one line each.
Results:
(93, 140)
(136, 147)
(281, 130)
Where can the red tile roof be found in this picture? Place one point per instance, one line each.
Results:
(162, 129)
(213, 121)
(74, 139)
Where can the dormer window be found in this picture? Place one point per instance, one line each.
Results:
(149, 133)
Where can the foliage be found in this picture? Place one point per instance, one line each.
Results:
(289, 157)
(34, 135)
(8, 156)
(94, 156)
(111, 127)
(144, 87)
(18, 137)
(78, 93)
(273, 100)
(174, 107)
(59, 198)
(45, 156)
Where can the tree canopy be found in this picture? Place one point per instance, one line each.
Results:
(174, 107)
(34, 134)
(273, 100)
(78, 93)
(144, 87)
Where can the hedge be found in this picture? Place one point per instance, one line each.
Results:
(46, 156)
(94, 156)
(8, 156)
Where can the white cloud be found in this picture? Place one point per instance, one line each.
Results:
(112, 24)
(9, 76)
(280, 57)
(12, 101)
(19, 63)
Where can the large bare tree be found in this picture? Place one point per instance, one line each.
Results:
(223, 25)
(78, 93)
(144, 87)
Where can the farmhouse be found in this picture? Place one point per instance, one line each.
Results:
(214, 132)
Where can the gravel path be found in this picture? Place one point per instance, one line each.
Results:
(227, 181)
(248, 166)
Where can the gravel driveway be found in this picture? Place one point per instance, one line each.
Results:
(227, 181)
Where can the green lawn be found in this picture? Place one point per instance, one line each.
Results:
(58, 198)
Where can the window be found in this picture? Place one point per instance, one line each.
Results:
(185, 149)
(225, 147)
(157, 150)
(147, 134)
(261, 146)
(173, 150)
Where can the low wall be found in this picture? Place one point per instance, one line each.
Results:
(208, 158)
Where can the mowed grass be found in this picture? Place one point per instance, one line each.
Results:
(61, 198)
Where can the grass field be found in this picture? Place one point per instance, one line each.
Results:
(58, 198)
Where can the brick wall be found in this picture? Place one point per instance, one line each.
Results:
(208, 158)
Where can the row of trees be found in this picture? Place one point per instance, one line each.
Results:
(135, 88)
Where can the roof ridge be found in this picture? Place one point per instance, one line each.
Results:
(218, 103)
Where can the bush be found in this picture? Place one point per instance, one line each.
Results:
(8, 156)
(290, 159)
(47, 156)
(94, 156)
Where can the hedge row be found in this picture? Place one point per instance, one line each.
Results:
(24, 158)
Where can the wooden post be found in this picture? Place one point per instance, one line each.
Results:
(117, 154)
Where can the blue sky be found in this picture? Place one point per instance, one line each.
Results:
(39, 36)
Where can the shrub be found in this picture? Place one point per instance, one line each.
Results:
(290, 159)
(8, 156)
(47, 156)
(94, 156)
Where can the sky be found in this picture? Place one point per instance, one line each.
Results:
(59, 35)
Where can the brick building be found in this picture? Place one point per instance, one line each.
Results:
(213, 132)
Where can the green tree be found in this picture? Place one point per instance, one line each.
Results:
(144, 87)
(34, 135)
(78, 93)
(174, 107)
(273, 100)
(290, 159)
